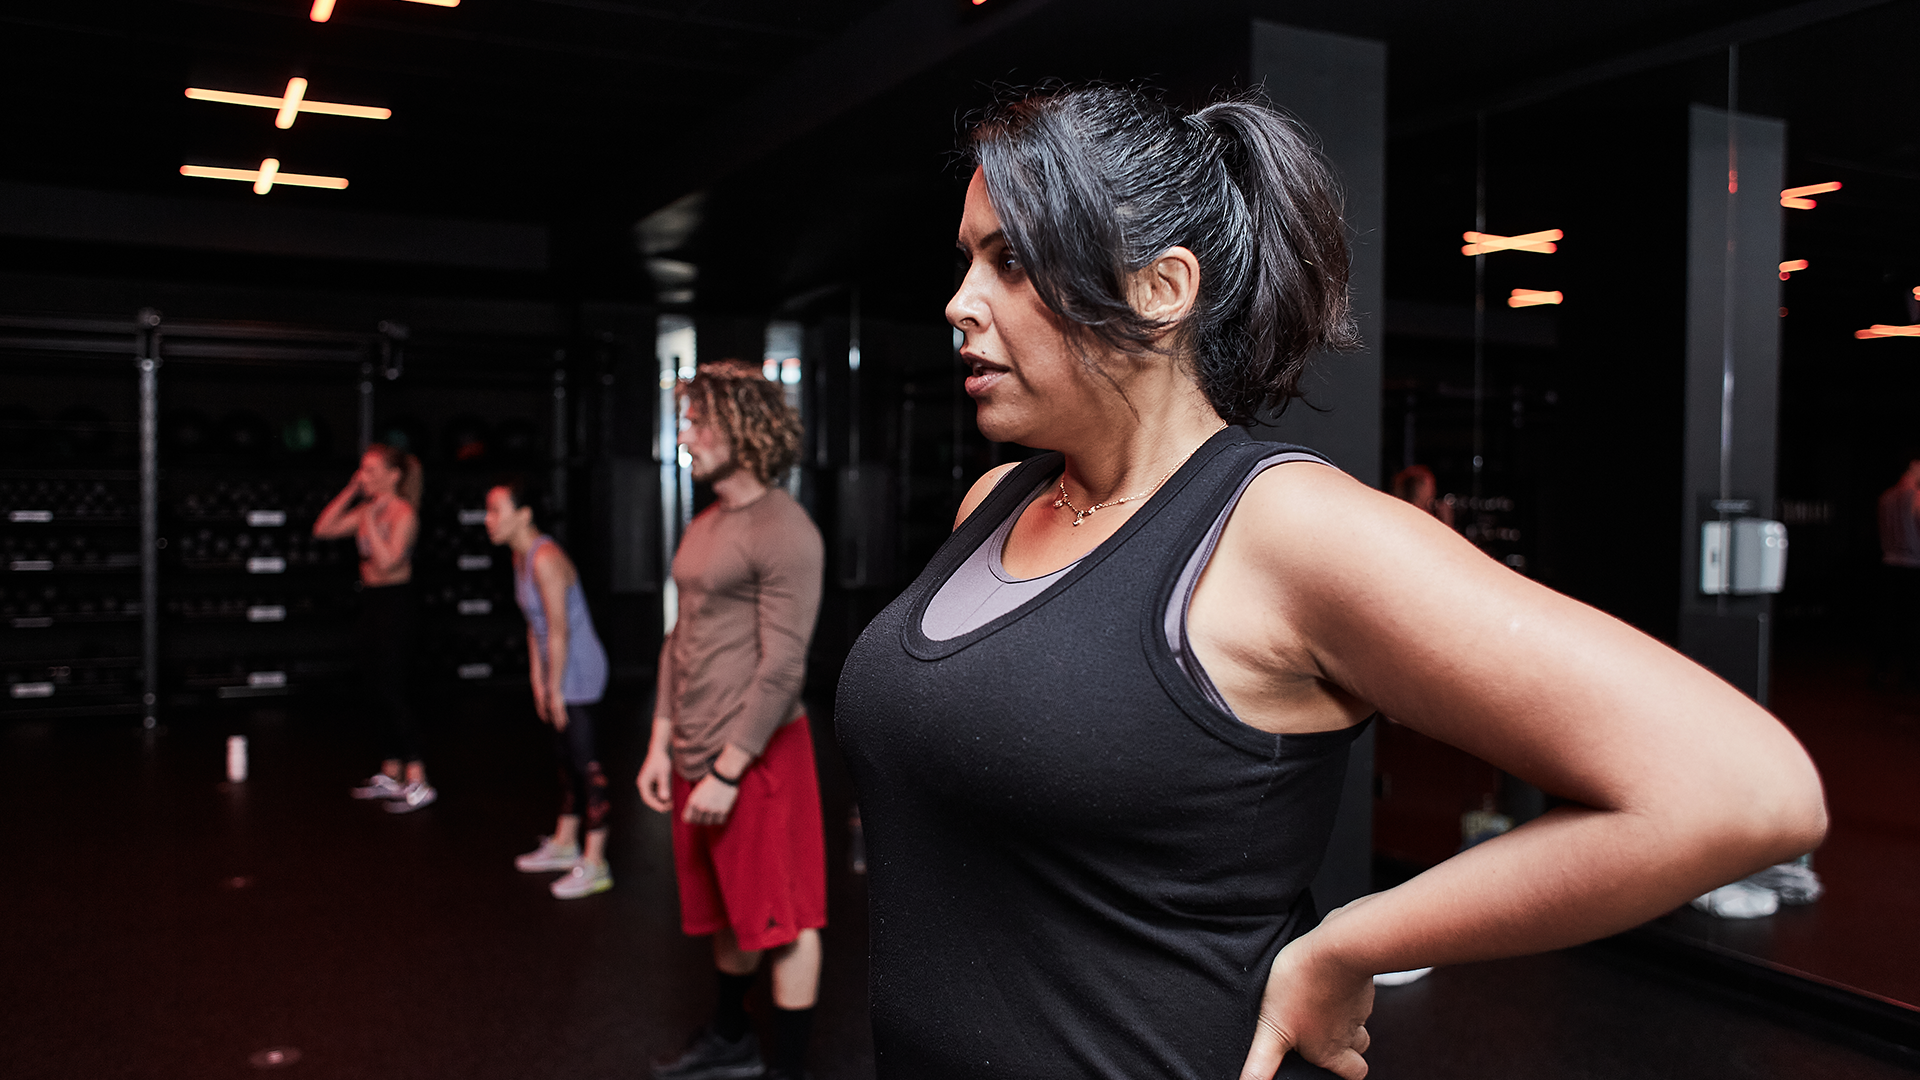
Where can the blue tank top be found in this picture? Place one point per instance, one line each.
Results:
(586, 676)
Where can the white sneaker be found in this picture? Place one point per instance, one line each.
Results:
(548, 857)
(1739, 901)
(1401, 978)
(380, 786)
(584, 879)
(416, 795)
(1792, 882)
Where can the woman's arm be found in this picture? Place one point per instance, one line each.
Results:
(1678, 782)
(553, 574)
(388, 549)
(536, 675)
(340, 517)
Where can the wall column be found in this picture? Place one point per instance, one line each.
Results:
(1733, 373)
(1337, 87)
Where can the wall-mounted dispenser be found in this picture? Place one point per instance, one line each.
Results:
(1743, 557)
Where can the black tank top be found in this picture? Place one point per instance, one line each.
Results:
(1078, 866)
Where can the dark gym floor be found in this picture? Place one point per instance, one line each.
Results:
(156, 922)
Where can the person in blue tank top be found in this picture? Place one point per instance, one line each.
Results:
(1098, 744)
(569, 673)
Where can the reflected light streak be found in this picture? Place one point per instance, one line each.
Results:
(1787, 268)
(323, 9)
(1533, 298)
(266, 177)
(290, 103)
(1878, 330)
(1478, 243)
(291, 100)
(1795, 198)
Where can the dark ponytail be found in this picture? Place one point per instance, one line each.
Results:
(1094, 184)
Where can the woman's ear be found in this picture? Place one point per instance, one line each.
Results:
(1165, 289)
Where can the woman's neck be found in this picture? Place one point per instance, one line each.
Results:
(1133, 450)
(522, 541)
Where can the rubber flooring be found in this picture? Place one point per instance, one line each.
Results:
(157, 922)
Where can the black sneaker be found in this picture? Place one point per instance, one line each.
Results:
(710, 1057)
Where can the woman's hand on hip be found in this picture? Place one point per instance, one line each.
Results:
(1313, 1008)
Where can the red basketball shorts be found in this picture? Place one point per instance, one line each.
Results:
(764, 872)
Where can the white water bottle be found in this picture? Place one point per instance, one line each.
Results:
(236, 758)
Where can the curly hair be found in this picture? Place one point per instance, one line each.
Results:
(751, 411)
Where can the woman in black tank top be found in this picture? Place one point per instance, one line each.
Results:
(1100, 741)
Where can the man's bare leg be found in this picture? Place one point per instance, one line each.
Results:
(796, 972)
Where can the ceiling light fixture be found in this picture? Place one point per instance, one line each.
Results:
(290, 104)
(1478, 243)
(1787, 268)
(1533, 298)
(1796, 197)
(1882, 330)
(323, 9)
(265, 177)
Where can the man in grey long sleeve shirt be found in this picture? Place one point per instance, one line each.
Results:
(731, 756)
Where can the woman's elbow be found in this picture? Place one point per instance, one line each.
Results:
(1800, 813)
(1782, 813)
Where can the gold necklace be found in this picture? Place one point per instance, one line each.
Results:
(1080, 515)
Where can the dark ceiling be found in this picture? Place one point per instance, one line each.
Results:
(821, 131)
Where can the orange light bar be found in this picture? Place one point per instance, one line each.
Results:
(1481, 243)
(1882, 330)
(266, 177)
(323, 9)
(1796, 197)
(1787, 268)
(289, 104)
(1533, 298)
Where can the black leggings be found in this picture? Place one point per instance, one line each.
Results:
(389, 625)
(582, 784)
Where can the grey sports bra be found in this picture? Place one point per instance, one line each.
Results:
(981, 590)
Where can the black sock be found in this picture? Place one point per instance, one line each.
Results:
(792, 1031)
(730, 1011)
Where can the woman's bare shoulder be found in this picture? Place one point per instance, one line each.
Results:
(1309, 528)
(550, 562)
(981, 489)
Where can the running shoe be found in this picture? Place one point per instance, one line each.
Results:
(548, 857)
(710, 1057)
(1792, 882)
(416, 795)
(584, 879)
(380, 786)
(1739, 901)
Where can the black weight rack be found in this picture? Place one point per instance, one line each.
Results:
(159, 480)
